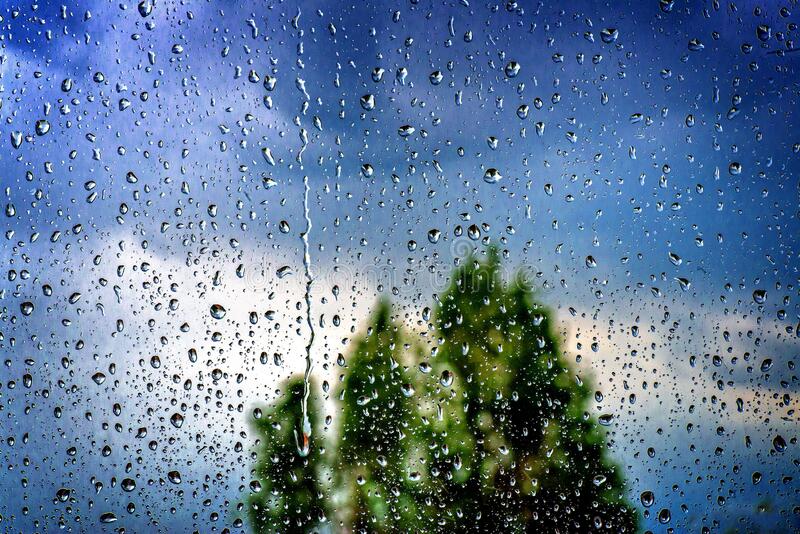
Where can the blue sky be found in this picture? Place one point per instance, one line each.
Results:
(173, 104)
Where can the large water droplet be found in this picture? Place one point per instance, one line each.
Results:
(368, 102)
(26, 308)
(512, 69)
(492, 176)
(42, 127)
(217, 311)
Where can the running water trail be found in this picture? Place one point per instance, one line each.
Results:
(302, 438)
(304, 442)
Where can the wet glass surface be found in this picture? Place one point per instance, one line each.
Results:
(404, 266)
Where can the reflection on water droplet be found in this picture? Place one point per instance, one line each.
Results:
(695, 45)
(177, 420)
(609, 35)
(446, 379)
(368, 102)
(512, 69)
(303, 440)
(760, 296)
(42, 127)
(492, 176)
(664, 516)
(405, 131)
(218, 311)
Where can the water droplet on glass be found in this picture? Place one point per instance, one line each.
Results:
(177, 420)
(446, 379)
(609, 35)
(760, 296)
(695, 45)
(405, 131)
(368, 102)
(512, 69)
(492, 176)
(218, 311)
(42, 127)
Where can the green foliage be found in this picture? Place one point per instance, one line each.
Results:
(287, 492)
(380, 422)
(539, 461)
(487, 432)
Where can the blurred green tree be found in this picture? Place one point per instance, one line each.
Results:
(539, 462)
(380, 429)
(488, 433)
(288, 493)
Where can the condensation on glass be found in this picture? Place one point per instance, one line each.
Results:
(405, 266)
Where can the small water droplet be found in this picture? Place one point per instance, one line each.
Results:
(760, 296)
(405, 131)
(108, 517)
(695, 45)
(609, 35)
